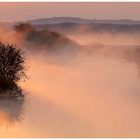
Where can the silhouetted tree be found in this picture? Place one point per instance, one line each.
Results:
(11, 63)
(24, 28)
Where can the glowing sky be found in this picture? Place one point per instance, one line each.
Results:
(112, 10)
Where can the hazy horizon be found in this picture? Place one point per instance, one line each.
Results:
(18, 11)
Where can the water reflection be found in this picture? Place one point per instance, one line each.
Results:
(11, 106)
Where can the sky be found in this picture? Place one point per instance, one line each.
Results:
(17, 11)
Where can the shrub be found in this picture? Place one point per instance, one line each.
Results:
(12, 61)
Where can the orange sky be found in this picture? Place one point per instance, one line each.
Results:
(112, 10)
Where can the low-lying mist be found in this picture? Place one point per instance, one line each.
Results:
(65, 46)
(81, 84)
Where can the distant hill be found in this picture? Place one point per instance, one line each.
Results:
(59, 20)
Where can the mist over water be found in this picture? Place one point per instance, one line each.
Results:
(90, 91)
